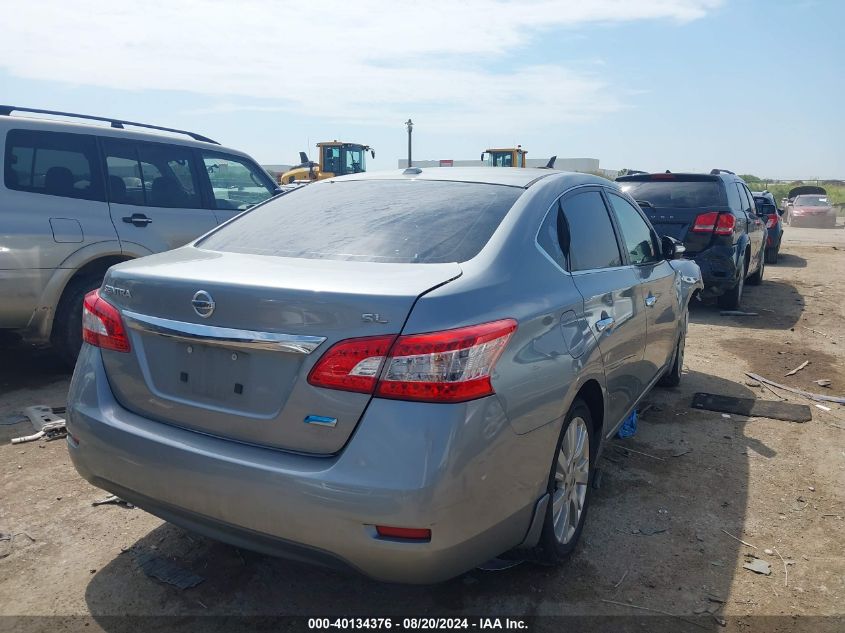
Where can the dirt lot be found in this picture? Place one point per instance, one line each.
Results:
(655, 538)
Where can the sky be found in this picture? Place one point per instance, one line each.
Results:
(754, 86)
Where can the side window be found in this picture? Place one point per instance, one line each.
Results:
(590, 240)
(742, 197)
(150, 174)
(53, 163)
(636, 234)
(237, 183)
(734, 201)
(549, 236)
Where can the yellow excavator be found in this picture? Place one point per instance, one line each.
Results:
(336, 159)
(505, 157)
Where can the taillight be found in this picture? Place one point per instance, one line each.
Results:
(449, 366)
(102, 325)
(410, 534)
(705, 222)
(352, 365)
(771, 221)
(714, 222)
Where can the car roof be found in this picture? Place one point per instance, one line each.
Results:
(18, 121)
(522, 177)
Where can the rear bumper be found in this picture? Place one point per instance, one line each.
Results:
(821, 221)
(457, 469)
(718, 270)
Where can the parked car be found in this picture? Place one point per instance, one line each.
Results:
(77, 198)
(767, 209)
(405, 373)
(809, 206)
(714, 215)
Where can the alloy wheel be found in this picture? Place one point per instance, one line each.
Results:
(572, 474)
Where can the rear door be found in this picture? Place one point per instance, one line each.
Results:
(613, 302)
(154, 194)
(657, 279)
(755, 227)
(51, 206)
(235, 183)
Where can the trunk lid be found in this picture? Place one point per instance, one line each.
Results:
(241, 372)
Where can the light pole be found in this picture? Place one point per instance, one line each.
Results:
(410, 125)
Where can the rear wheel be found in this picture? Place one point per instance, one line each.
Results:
(67, 325)
(757, 278)
(733, 297)
(772, 255)
(672, 378)
(569, 486)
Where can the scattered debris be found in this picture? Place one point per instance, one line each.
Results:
(751, 407)
(811, 488)
(797, 369)
(740, 540)
(726, 416)
(758, 566)
(166, 571)
(817, 332)
(737, 313)
(641, 608)
(806, 394)
(823, 382)
(112, 499)
(46, 422)
(616, 586)
(785, 569)
(768, 551)
(822, 407)
(753, 383)
(623, 449)
(682, 452)
(649, 531)
(717, 563)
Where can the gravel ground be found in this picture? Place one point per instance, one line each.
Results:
(655, 538)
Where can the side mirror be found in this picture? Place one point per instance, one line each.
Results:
(780, 211)
(672, 248)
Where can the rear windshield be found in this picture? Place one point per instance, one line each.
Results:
(812, 201)
(676, 193)
(393, 221)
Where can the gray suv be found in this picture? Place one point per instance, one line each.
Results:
(77, 198)
(404, 373)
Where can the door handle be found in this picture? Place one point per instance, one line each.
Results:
(650, 301)
(138, 219)
(605, 323)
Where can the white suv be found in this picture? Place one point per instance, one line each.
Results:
(76, 198)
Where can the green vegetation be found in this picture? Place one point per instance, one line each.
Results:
(835, 188)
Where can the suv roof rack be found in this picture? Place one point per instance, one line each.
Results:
(6, 110)
(716, 172)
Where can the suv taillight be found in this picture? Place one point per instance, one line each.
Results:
(102, 325)
(771, 221)
(448, 366)
(714, 222)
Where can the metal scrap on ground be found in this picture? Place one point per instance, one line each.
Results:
(797, 369)
(752, 407)
(737, 313)
(46, 422)
(807, 394)
(112, 499)
(758, 566)
(165, 571)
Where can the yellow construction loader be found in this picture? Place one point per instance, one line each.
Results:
(336, 159)
(505, 157)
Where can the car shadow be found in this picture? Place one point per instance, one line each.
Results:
(24, 366)
(653, 538)
(787, 260)
(777, 303)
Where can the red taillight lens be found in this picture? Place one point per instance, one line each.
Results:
(449, 366)
(102, 325)
(771, 221)
(705, 222)
(725, 224)
(352, 365)
(411, 534)
(714, 222)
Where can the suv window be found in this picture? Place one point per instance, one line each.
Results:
(589, 238)
(53, 163)
(734, 199)
(151, 174)
(236, 182)
(636, 234)
(678, 194)
(402, 221)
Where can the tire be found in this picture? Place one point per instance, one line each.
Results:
(757, 278)
(67, 325)
(570, 488)
(672, 378)
(772, 255)
(733, 297)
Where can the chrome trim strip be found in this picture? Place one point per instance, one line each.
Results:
(224, 336)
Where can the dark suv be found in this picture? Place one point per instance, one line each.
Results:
(714, 215)
(767, 209)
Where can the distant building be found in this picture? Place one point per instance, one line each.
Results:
(585, 165)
